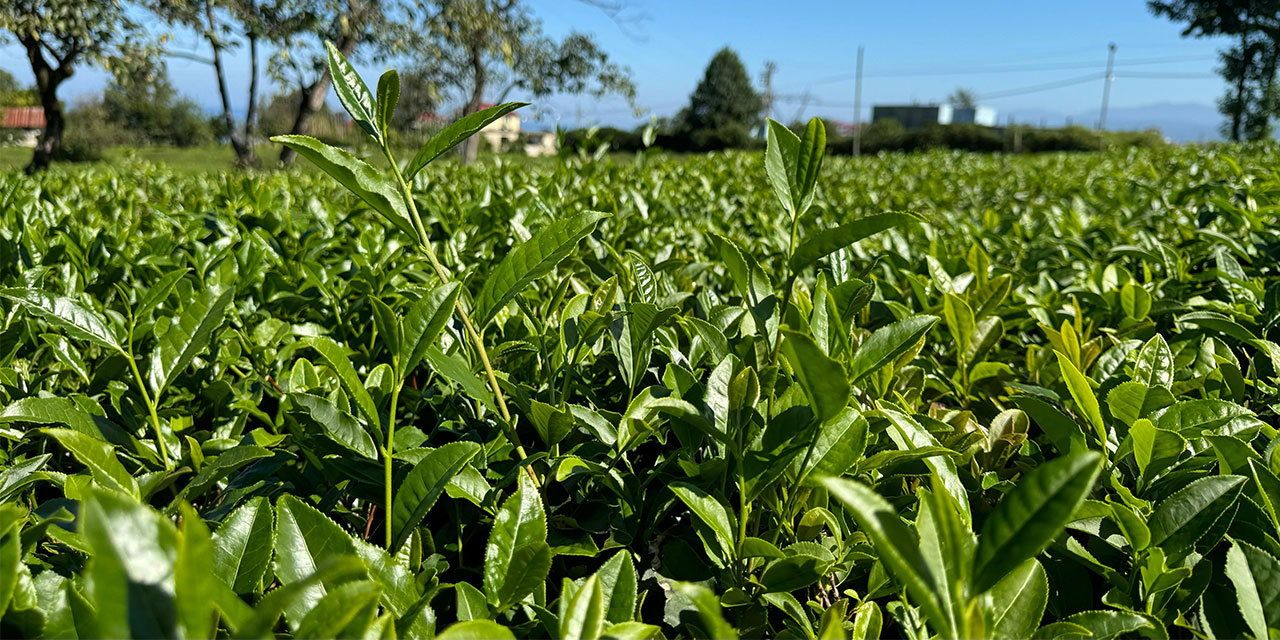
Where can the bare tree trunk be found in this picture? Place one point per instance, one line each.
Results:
(251, 116)
(48, 78)
(312, 98)
(243, 147)
(1237, 114)
(470, 149)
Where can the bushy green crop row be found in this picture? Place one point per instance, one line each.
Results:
(760, 395)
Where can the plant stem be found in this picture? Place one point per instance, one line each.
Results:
(151, 407)
(424, 242)
(387, 459)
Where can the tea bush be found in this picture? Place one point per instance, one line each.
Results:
(942, 395)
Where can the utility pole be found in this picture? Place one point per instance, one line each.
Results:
(1106, 86)
(857, 108)
(767, 79)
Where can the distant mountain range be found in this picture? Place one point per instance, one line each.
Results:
(1178, 121)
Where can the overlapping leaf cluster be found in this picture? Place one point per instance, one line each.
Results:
(932, 396)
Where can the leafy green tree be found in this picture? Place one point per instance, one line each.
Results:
(725, 96)
(1249, 66)
(467, 47)
(963, 98)
(151, 108)
(60, 35)
(13, 94)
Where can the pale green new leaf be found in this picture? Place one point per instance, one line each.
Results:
(243, 546)
(520, 524)
(336, 356)
(885, 344)
(712, 513)
(584, 618)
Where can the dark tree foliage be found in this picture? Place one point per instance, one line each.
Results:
(724, 97)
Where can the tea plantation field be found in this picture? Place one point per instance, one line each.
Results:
(755, 395)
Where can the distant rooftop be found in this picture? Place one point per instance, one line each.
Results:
(23, 118)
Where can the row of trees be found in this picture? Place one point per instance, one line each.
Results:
(457, 50)
(1249, 66)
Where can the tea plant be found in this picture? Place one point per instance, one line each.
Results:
(933, 396)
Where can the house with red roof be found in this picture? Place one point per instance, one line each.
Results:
(21, 125)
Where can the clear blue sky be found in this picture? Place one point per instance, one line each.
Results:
(916, 50)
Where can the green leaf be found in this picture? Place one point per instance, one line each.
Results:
(1065, 434)
(886, 344)
(78, 320)
(340, 426)
(1268, 490)
(187, 337)
(457, 372)
(352, 92)
(100, 458)
(793, 572)
(344, 612)
(195, 588)
(960, 321)
(387, 323)
(618, 585)
(1154, 366)
(1018, 601)
(1256, 577)
(1108, 624)
(823, 379)
(908, 434)
(809, 163)
(1082, 393)
(896, 546)
(243, 546)
(388, 96)
(840, 444)
(156, 293)
(336, 356)
(357, 176)
(517, 547)
(449, 137)
(782, 152)
(1181, 519)
(712, 513)
(631, 631)
(708, 606)
(476, 630)
(1129, 401)
(584, 618)
(418, 492)
(532, 260)
(826, 242)
(298, 595)
(423, 323)
(131, 572)
(305, 538)
(1032, 514)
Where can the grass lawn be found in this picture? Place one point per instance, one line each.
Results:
(182, 159)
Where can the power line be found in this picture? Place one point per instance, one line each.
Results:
(1036, 88)
(1166, 75)
(1006, 68)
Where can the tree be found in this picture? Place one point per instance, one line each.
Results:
(374, 27)
(13, 94)
(963, 98)
(725, 96)
(58, 36)
(151, 108)
(469, 46)
(222, 24)
(1249, 67)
